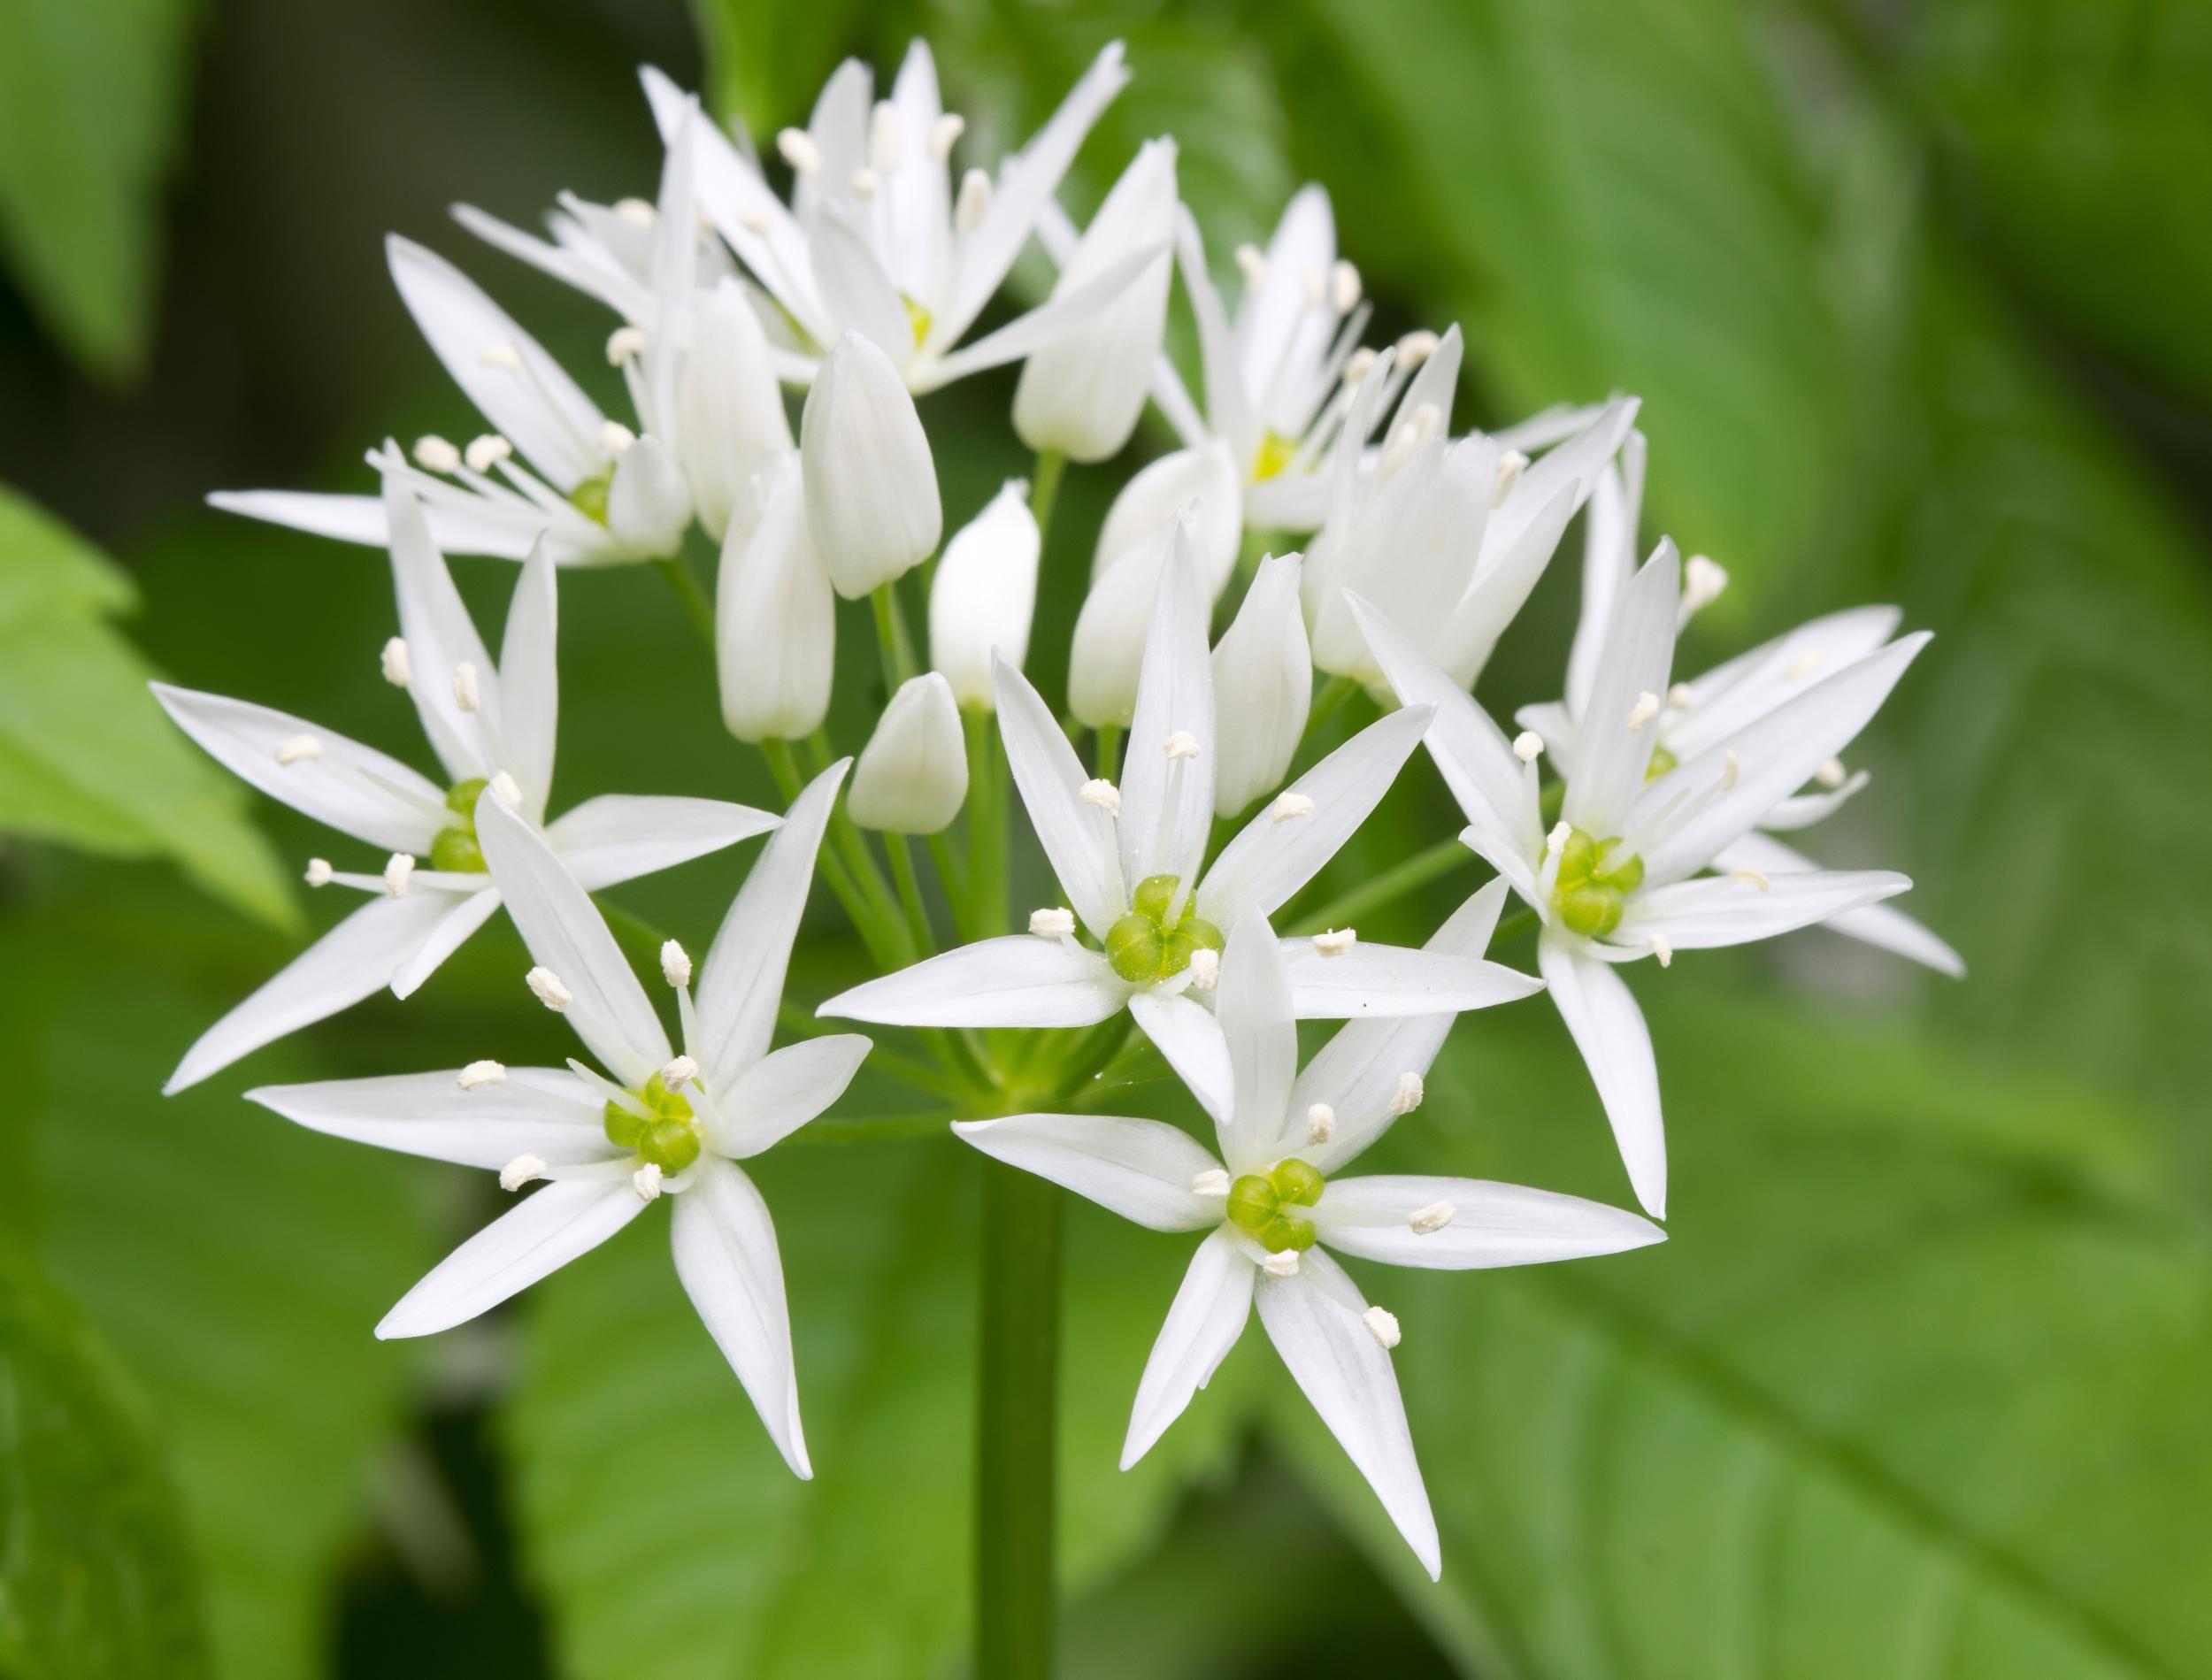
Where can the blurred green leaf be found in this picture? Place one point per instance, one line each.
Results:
(96, 1582)
(1916, 1385)
(767, 58)
(91, 99)
(86, 756)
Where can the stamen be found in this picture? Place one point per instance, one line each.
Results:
(299, 747)
(1054, 923)
(646, 1182)
(679, 1073)
(1528, 746)
(507, 791)
(318, 871)
(1205, 969)
(753, 221)
(638, 212)
(520, 1171)
(614, 437)
(1344, 287)
(489, 451)
(1402, 443)
(1282, 1264)
(1181, 744)
(1664, 949)
(974, 203)
(883, 138)
(1316, 288)
(1643, 711)
(397, 870)
(799, 151)
(1252, 264)
(1804, 665)
(1416, 348)
(1731, 769)
(1407, 1097)
(623, 343)
(551, 991)
(675, 964)
(865, 182)
(467, 695)
(433, 454)
(397, 672)
(1428, 420)
(1335, 942)
(479, 1073)
(1383, 1326)
(1103, 793)
(1831, 775)
(1361, 364)
(1702, 581)
(1555, 843)
(943, 132)
(1681, 697)
(502, 354)
(1212, 1182)
(1751, 878)
(1426, 1222)
(1320, 1123)
(1511, 464)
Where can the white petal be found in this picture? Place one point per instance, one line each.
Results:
(1576, 461)
(1314, 1317)
(985, 595)
(1063, 313)
(440, 639)
(1185, 1032)
(469, 525)
(775, 613)
(1078, 839)
(618, 836)
(551, 1227)
(529, 689)
(1724, 910)
(784, 1089)
(855, 288)
(1269, 316)
(726, 1254)
(1253, 1001)
(1612, 748)
(1492, 1225)
(1228, 408)
(1139, 1168)
(1609, 1030)
(873, 507)
(1167, 805)
(648, 503)
(1732, 695)
(465, 915)
(1205, 476)
(1269, 860)
(1881, 925)
(566, 933)
(1608, 561)
(1202, 1325)
(741, 982)
(1262, 689)
(1499, 589)
(547, 1112)
(355, 789)
(913, 776)
(356, 957)
(1375, 980)
(1019, 980)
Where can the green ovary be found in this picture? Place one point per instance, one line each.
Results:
(1145, 947)
(1593, 889)
(454, 848)
(917, 317)
(589, 498)
(1661, 762)
(1276, 453)
(1264, 1205)
(666, 1136)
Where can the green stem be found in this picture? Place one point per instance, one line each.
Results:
(986, 825)
(1015, 1429)
(1108, 751)
(890, 1128)
(697, 608)
(1416, 872)
(892, 645)
(1521, 922)
(1333, 694)
(900, 849)
(1044, 488)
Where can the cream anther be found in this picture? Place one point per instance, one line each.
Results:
(883, 137)
(1100, 791)
(1702, 581)
(468, 694)
(1055, 922)
(1664, 949)
(1406, 1096)
(1731, 767)
(1212, 1182)
(1288, 807)
(433, 454)
(486, 452)
(1804, 665)
(1751, 878)
(614, 437)
(397, 870)
(1831, 775)
(679, 1073)
(397, 671)
(799, 151)
(1416, 348)
(507, 791)
(1317, 282)
(1282, 1264)
(865, 183)
(675, 964)
(1320, 1123)
(1344, 287)
(1681, 697)
(638, 212)
(501, 354)
(1383, 1326)
(1361, 364)
(290, 751)
(752, 220)
(318, 871)
(646, 1182)
(1205, 969)
(520, 1171)
(547, 984)
(1555, 843)
(1335, 942)
(1426, 1222)
(974, 203)
(481, 1073)
(944, 133)
(1528, 746)
(1511, 464)
(1643, 711)
(1252, 264)
(1427, 421)
(1181, 744)
(623, 343)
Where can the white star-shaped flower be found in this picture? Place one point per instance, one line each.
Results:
(653, 1126)
(1273, 1209)
(492, 727)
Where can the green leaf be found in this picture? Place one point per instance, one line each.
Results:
(96, 1582)
(86, 757)
(766, 58)
(91, 97)
(1914, 1386)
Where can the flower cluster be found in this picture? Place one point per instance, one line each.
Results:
(1186, 795)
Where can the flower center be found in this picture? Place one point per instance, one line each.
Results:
(1276, 453)
(590, 497)
(1592, 888)
(1661, 762)
(455, 847)
(665, 1136)
(1144, 946)
(1264, 1205)
(917, 317)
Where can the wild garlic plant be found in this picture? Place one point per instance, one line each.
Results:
(1232, 717)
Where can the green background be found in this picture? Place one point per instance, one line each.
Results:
(1916, 295)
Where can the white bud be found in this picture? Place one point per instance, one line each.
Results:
(623, 343)
(1100, 791)
(1343, 287)
(1643, 711)
(398, 871)
(1383, 1326)
(1511, 464)
(944, 133)
(1082, 392)
(799, 151)
(984, 596)
(1406, 1096)
(467, 693)
(1335, 942)
(297, 747)
(648, 504)
(974, 203)
(646, 1182)
(1055, 922)
(1212, 1182)
(1282, 1264)
(397, 670)
(730, 413)
(482, 1073)
(1426, 1222)
(678, 1073)
(1263, 675)
(1205, 478)
(1831, 775)
(507, 790)
(1107, 650)
(318, 871)
(1204, 969)
(913, 776)
(547, 984)
(485, 452)
(1702, 581)
(433, 454)
(675, 964)
(870, 484)
(1289, 807)
(1316, 288)
(1528, 746)
(520, 1171)
(775, 615)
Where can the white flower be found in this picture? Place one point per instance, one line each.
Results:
(876, 240)
(775, 615)
(1621, 875)
(1268, 1239)
(1131, 870)
(912, 776)
(1203, 477)
(608, 1146)
(984, 595)
(1262, 688)
(1082, 392)
(732, 419)
(399, 941)
(1709, 709)
(872, 500)
(1106, 652)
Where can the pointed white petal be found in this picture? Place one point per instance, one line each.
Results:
(782, 1091)
(1185, 1032)
(726, 1254)
(1614, 737)
(1727, 910)
(1608, 561)
(466, 913)
(1059, 316)
(547, 1112)
(1734, 695)
(1609, 1030)
(1167, 803)
(1078, 839)
(618, 836)
(1499, 590)
(1577, 462)
(1269, 315)
(1019, 980)
(1263, 690)
(1253, 999)
(1881, 925)
(551, 1227)
(1491, 1225)
(1202, 1325)
(442, 638)
(855, 288)
(529, 689)
(459, 528)
(1139, 1168)
(1315, 1319)
(1377, 980)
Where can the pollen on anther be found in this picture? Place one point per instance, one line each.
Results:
(865, 183)
(1511, 464)
(1831, 775)
(1804, 665)
(1288, 807)
(623, 343)
(883, 137)
(318, 871)
(501, 354)
(1205, 969)
(944, 133)
(520, 1171)
(468, 694)
(397, 869)
(1052, 922)
(507, 791)
(1702, 581)
(1681, 696)
(433, 454)
(1383, 1326)
(298, 746)
(799, 151)
(482, 1073)
(548, 987)
(397, 671)
(1426, 1222)
(1663, 948)
(614, 437)
(646, 1182)
(1750, 878)
(1555, 843)
(1731, 769)
(1282, 1264)
(1643, 711)
(1181, 744)
(1212, 1182)
(974, 203)
(1335, 942)
(1416, 348)
(1316, 288)
(486, 452)
(638, 212)
(1358, 369)
(1100, 791)
(1320, 1123)
(1344, 287)
(675, 964)
(1252, 264)
(1406, 1096)
(752, 221)
(1528, 746)
(679, 1073)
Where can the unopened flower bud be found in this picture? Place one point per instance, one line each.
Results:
(1262, 689)
(1205, 478)
(1107, 650)
(730, 407)
(984, 596)
(775, 617)
(870, 485)
(913, 776)
(647, 502)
